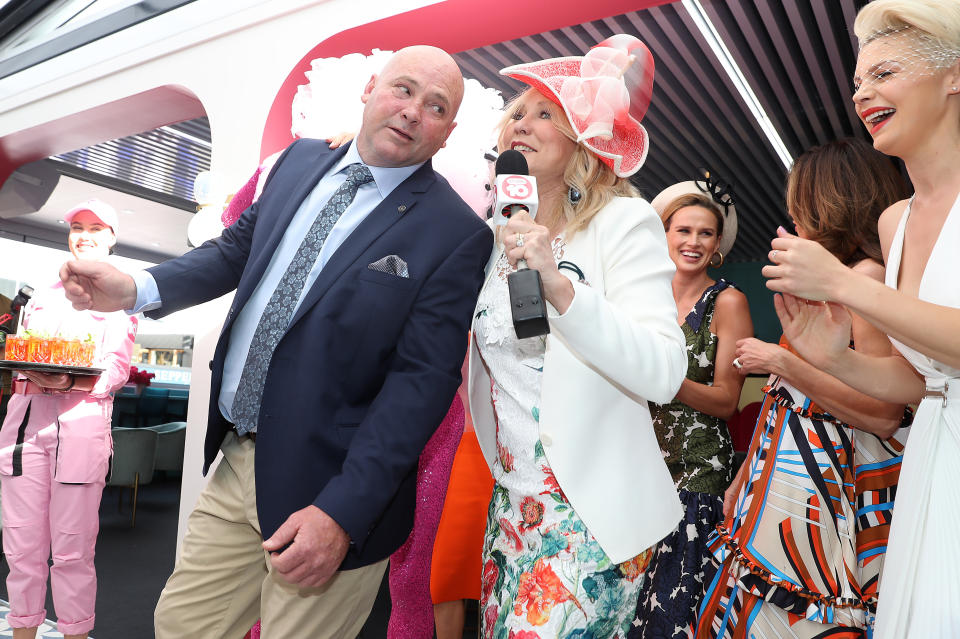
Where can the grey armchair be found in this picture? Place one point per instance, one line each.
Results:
(134, 455)
(172, 437)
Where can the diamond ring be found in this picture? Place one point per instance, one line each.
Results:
(519, 240)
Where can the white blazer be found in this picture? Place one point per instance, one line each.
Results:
(617, 346)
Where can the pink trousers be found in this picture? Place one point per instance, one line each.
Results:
(41, 515)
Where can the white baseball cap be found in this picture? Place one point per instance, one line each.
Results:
(101, 209)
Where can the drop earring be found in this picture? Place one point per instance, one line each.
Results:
(573, 195)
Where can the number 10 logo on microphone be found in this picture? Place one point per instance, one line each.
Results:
(517, 187)
(515, 192)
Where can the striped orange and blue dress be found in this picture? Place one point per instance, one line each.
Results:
(801, 555)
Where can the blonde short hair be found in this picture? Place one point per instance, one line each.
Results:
(595, 181)
(938, 20)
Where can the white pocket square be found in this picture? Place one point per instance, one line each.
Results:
(392, 265)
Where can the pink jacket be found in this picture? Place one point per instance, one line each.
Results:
(85, 445)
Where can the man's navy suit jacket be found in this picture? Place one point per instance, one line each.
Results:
(370, 362)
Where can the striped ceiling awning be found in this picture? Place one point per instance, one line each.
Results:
(795, 57)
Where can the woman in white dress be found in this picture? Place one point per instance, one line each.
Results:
(908, 96)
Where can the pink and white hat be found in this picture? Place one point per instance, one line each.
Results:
(604, 94)
(101, 209)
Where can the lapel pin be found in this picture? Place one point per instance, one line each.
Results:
(402, 209)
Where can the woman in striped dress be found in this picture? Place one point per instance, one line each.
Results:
(807, 517)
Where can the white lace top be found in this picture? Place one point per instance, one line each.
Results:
(516, 369)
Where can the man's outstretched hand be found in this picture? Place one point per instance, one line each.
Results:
(97, 286)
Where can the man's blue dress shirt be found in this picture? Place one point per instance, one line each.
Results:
(368, 198)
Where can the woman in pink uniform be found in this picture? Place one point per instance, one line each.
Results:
(55, 449)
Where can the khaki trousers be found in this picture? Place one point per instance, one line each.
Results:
(223, 581)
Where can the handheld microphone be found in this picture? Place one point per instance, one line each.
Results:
(517, 191)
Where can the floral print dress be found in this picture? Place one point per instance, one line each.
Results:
(699, 453)
(544, 575)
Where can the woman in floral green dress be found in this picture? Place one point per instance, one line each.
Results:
(562, 419)
(691, 430)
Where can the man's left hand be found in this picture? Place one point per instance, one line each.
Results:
(317, 546)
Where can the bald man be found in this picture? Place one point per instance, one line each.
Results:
(356, 273)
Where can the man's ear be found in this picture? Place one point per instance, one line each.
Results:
(453, 125)
(367, 90)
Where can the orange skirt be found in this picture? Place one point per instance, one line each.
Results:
(455, 568)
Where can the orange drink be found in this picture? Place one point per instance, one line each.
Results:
(38, 350)
(19, 349)
(87, 352)
(73, 352)
(59, 353)
(33, 348)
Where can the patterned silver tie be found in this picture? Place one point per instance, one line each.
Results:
(279, 310)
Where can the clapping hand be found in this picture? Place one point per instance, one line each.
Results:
(802, 268)
(819, 331)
